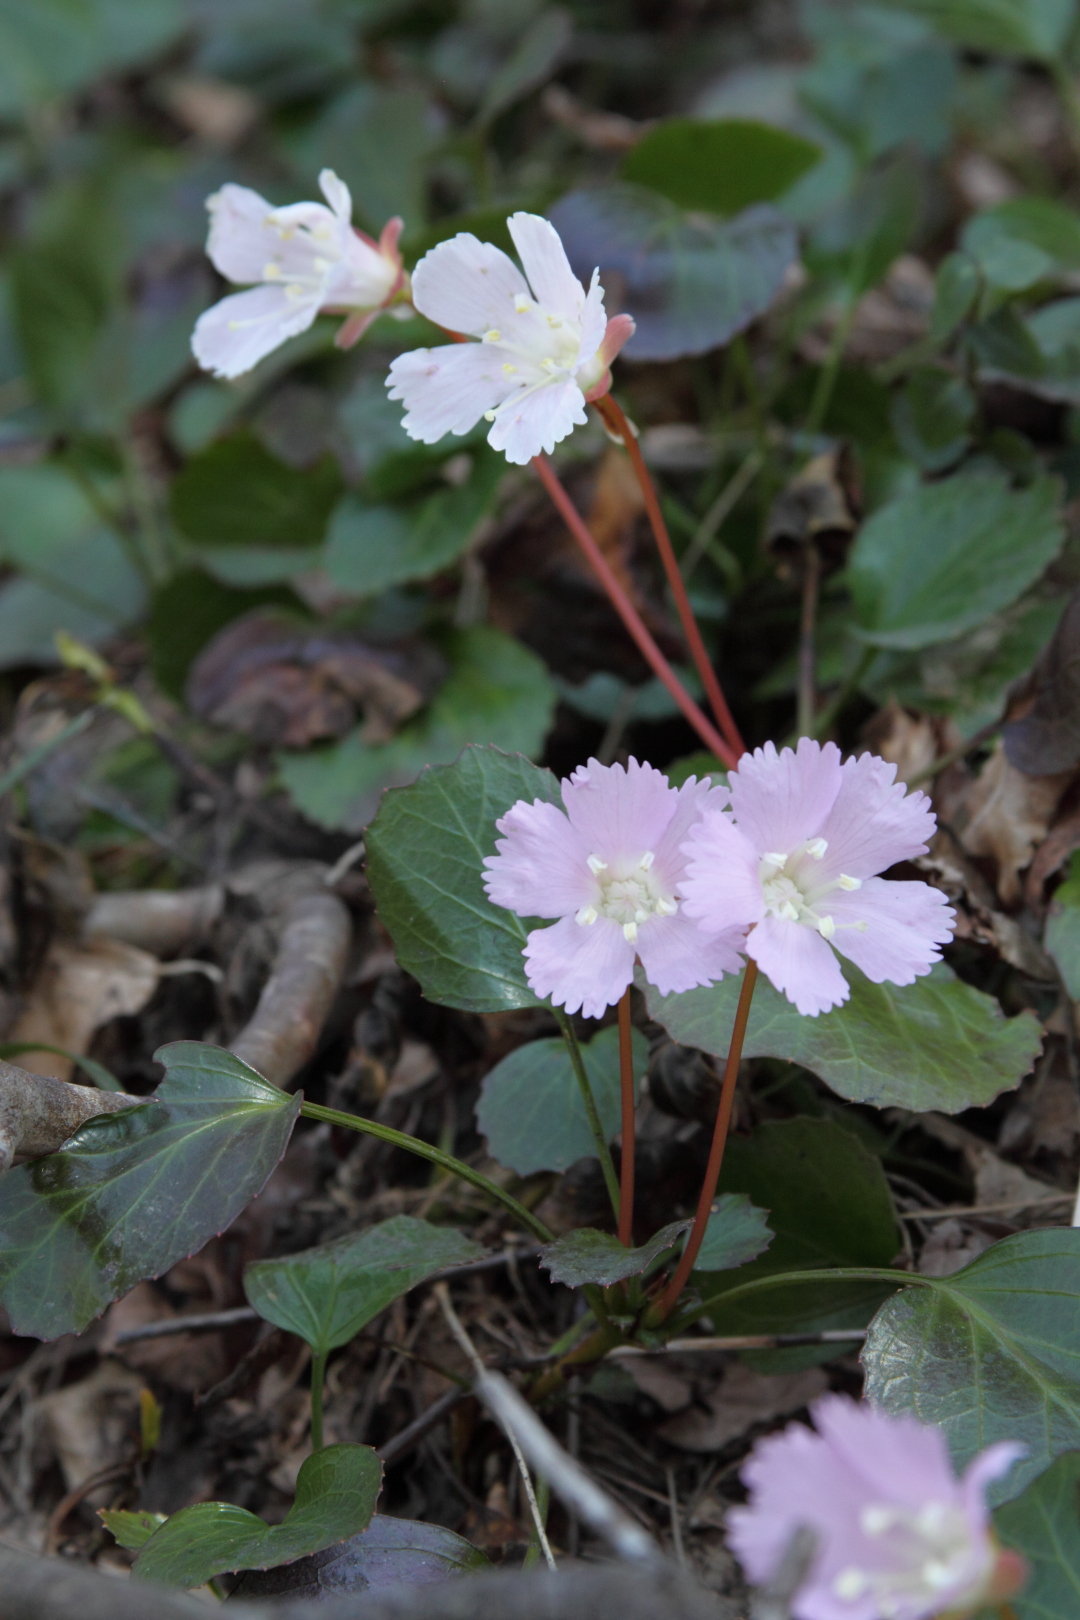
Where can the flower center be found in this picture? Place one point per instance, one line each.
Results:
(929, 1551)
(791, 889)
(629, 892)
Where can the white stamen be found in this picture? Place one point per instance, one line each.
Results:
(646, 860)
(817, 847)
(271, 271)
(849, 883)
(849, 1584)
(596, 865)
(509, 369)
(522, 304)
(489, 416)
(630, 932)
(493, 336)
(586, 916)
(826, 927)
(874, 1521)
(666, 908)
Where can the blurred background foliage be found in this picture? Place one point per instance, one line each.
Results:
(848, 234)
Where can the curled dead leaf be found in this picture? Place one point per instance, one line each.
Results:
(1010, 813)
(1042, 733)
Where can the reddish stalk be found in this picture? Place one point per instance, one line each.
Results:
(716, 1153)
(616, 421)
(630, 617)
(626, 1180)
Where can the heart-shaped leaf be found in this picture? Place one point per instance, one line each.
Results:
(389, 1553)
(134, 1192)
(327, 1294)
(336, 1492)
(531, 1109)
(719, 165)
(936, 1043)
(736, 1232)
(236, 493)
(690, 283)
(131, 1529)
(990, 1353)
(1043, 1524)
(425, 853)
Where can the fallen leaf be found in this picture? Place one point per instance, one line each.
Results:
(911, 742)
(655, 1377)
(215, 111)
(80, 986)
(1010, 812)
(978, 919)
(92, 1424)
(742, 1399)
(1042, 734)
(819, 506)
(950, 1247)
(183, 1361)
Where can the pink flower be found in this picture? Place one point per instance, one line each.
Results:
(545, 344)
(796, 859)
(306, 258)
(611, 871)
(898, 1536)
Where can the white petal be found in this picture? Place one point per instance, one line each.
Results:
(593, 321)
(235, 334)
(466, 285)
(337, 195)
(447, 390)
(538, 421)
(361, 280)
(240, 240)
(541, 252)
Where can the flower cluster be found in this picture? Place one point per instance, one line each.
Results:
(896, 1535)
(303, 258)
(781, 865)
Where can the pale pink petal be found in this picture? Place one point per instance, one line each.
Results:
(874, 821)
(235, 334)
(446, 390)
(543, 256)
(538, 421)
(541, 869)
(905, 923)
(779, 800)
(465, 285)
(897, 1457)
(693, 800)
(721, 887)
(362, 278)
(796, 961)
(352, 330)
(619, 812)
(337, 195)
(240, 240)
(584, 968)
(991, 1464)
(677, 956)
(619, 330)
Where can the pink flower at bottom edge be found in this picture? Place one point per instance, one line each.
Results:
(796, 860)
(898, 1535)
(609, 868)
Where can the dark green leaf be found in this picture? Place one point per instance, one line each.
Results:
(990, 1353)
(1043, 1524)
(939, 560)
(391, 1552)
(369, 548)
(936, 1043)
(533, 59)
(719, 166)
(691, 284)
(191, 608)
(932, 416)
(497, 692)
(956, 287)
(425, 851)
(1062, 935)
(134, 1192)
(862, 236)
(1035, 28)
(379, 139)
(589, 1256)
(327, 1294)
(530, 1106)
(336, 1492)
(737, 1232)
(51, 47)
(235, 493)
(1019, 242)
(130, 1529)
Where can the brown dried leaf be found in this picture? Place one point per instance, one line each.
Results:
(183, 1361)
(978, 918)
(81, 986)
(1042, 734)
(819, 505)
(888, 319)
(911, 742)
(740, 1400)
(949, 1247)
(1010, 814)
(91, 1424)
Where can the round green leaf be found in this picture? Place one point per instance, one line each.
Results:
(235, 493)
(136, 1191)
(736, 1232)
(1034, 28)
(936, 1043)
(336, 1492)
(1044, 1525)
(990, 1353)
(719, 166)
(425, 852)
(327, 1294)
(531, 1109)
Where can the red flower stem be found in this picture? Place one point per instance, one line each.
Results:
(629, 615)
(626, 1069)
(616, 421)
(716, 1153)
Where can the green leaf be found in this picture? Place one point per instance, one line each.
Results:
(51, 47)
(936, 1043)
(497, 692)
(942, 558)
(719, 166)
(425, 852)
(130, 1529)
(530, 1107)
(956, 287)
(1062, 934)
(191, 608)
(932, 416)
(1044, 1525)
(369, 548)
(861, 237)
(533, 60)
(336, 1492)
(828, 1204)
(391, 1552)
(1019, 242)
(690, 283)
(136, 1191)
(990, 1353)
(379, 139)
(327, 1294)
(736, 1233)
(1033, 28)
(589, 1256)
(235, 493)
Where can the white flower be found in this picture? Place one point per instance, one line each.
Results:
(306, 258)
(545, 344)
